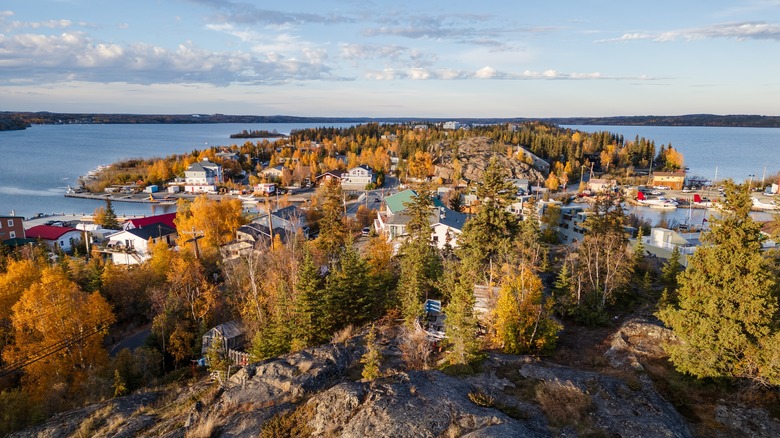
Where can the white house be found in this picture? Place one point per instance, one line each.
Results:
(56, 238)
(131, 246)
(358, 177)
(662, 241)
(202, 177)
(273, 172)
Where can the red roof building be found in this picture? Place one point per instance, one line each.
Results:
(63, 238)
(165, 219)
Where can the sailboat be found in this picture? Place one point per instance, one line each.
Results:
(660, 203)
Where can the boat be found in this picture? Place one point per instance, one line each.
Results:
(659, 203)
(763, 205)
(247, 198)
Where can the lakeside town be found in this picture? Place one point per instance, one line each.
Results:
(420, 246)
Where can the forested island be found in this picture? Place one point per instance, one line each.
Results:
(10, 120)
(258, 134)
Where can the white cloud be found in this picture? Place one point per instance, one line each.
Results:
(486, 72)
(739, 31)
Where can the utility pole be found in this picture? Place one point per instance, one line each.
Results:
(196, 235)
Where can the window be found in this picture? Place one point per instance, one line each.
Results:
(10, 222)
(12, 234)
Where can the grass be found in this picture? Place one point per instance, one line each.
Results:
(205, 428)
(564, 403)
(292, 423)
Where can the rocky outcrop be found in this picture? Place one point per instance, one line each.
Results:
(638, 339)
(474, 155)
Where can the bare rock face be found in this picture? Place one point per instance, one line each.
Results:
(474, 155)
(749, 422)
(636, 339)
(634, 410)
(417, 404)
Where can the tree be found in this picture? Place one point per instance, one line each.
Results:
(523, 316)
(372, 359)
(215, 221)
(332, 229)
(347, 297)
(669, 274)
(727, 312)
(310, 312)
(106, 217)
(54, 311)
(461, 327)
(492, 230)
(420, 263)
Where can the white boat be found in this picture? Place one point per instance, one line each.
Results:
(247, 198)
(660, 202)
(763, 205)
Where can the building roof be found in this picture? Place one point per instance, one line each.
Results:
(11, 217)
(229, 330)
(364, 167)
(17, 241)
(680, 174)
(166, 219)
(153, 231)
(333, 173)
(48, 232)
(395, 203)
(451, 218)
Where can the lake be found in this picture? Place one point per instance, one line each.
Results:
(734, 153)
(41, 162)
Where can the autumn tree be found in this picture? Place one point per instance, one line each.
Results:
(58, 333)
(215, 221)
(727, 310)
(523, 316)
(420, 165)
(604, 263)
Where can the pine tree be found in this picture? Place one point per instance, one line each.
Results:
(669, 274)
(347, 298)
(309, 320)
(332, 230)
(727, 311)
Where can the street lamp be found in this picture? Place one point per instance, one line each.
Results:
(750, 184)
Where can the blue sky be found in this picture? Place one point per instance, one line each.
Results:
(391, 58)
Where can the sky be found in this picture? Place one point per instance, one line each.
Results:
(377, 58)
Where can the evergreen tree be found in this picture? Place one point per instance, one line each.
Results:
(420, 263)
(310, 314)
(106, 216)
(332, 230)
(461, 326)
(727, 313)
(372, 359)
(348, 300)
(669, 273)
(490, 232)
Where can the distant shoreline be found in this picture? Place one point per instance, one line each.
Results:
(21, 120)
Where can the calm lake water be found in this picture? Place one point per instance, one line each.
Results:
(40, 162)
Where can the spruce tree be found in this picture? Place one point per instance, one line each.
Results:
(372, 359)
(420, 262)
(727, 309)
(461, 324)
(309, 308)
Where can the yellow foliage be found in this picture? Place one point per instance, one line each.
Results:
(55, 311)
(216, 221)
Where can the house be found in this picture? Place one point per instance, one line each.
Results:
(131, 246)
(286, 222)
(358, 178)
(446, 224)
(202, 177)
(232, 335)
(139, 222)
(329, 175)
(11, 227)
(451, 125)
(598, 185)
(673, 180)
(537, 162)
(56, 238)
(273, 172)
(662, 241)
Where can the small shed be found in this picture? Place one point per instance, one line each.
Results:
(232, 334)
